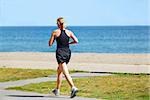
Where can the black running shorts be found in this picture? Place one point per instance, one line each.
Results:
(63, 55)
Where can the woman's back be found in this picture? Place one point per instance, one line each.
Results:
(62, 40)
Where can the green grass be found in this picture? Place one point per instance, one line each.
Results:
(115, 87)
(13, 74)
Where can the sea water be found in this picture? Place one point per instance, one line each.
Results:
(95, 39)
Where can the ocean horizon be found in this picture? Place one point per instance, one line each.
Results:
(92, 39)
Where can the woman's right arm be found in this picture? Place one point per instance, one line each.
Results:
(52, 39)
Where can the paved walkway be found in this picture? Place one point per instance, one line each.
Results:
(19, 95)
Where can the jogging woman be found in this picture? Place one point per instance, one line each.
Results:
(63, 54)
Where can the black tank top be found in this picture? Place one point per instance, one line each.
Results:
(63, 40)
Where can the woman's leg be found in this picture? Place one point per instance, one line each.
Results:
(59, 80)
(67, 75)
(59, 76)
(74, 90)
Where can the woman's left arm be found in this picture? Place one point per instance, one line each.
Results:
(75, 39)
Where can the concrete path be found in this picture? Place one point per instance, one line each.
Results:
(4, 85)
(19, 95)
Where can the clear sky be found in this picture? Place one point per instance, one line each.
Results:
(76, 12)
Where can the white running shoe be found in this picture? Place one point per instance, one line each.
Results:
(74, 90)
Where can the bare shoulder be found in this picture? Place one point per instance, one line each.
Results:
(69, 33)
(55, 32)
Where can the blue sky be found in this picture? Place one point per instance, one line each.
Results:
(76, 12)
